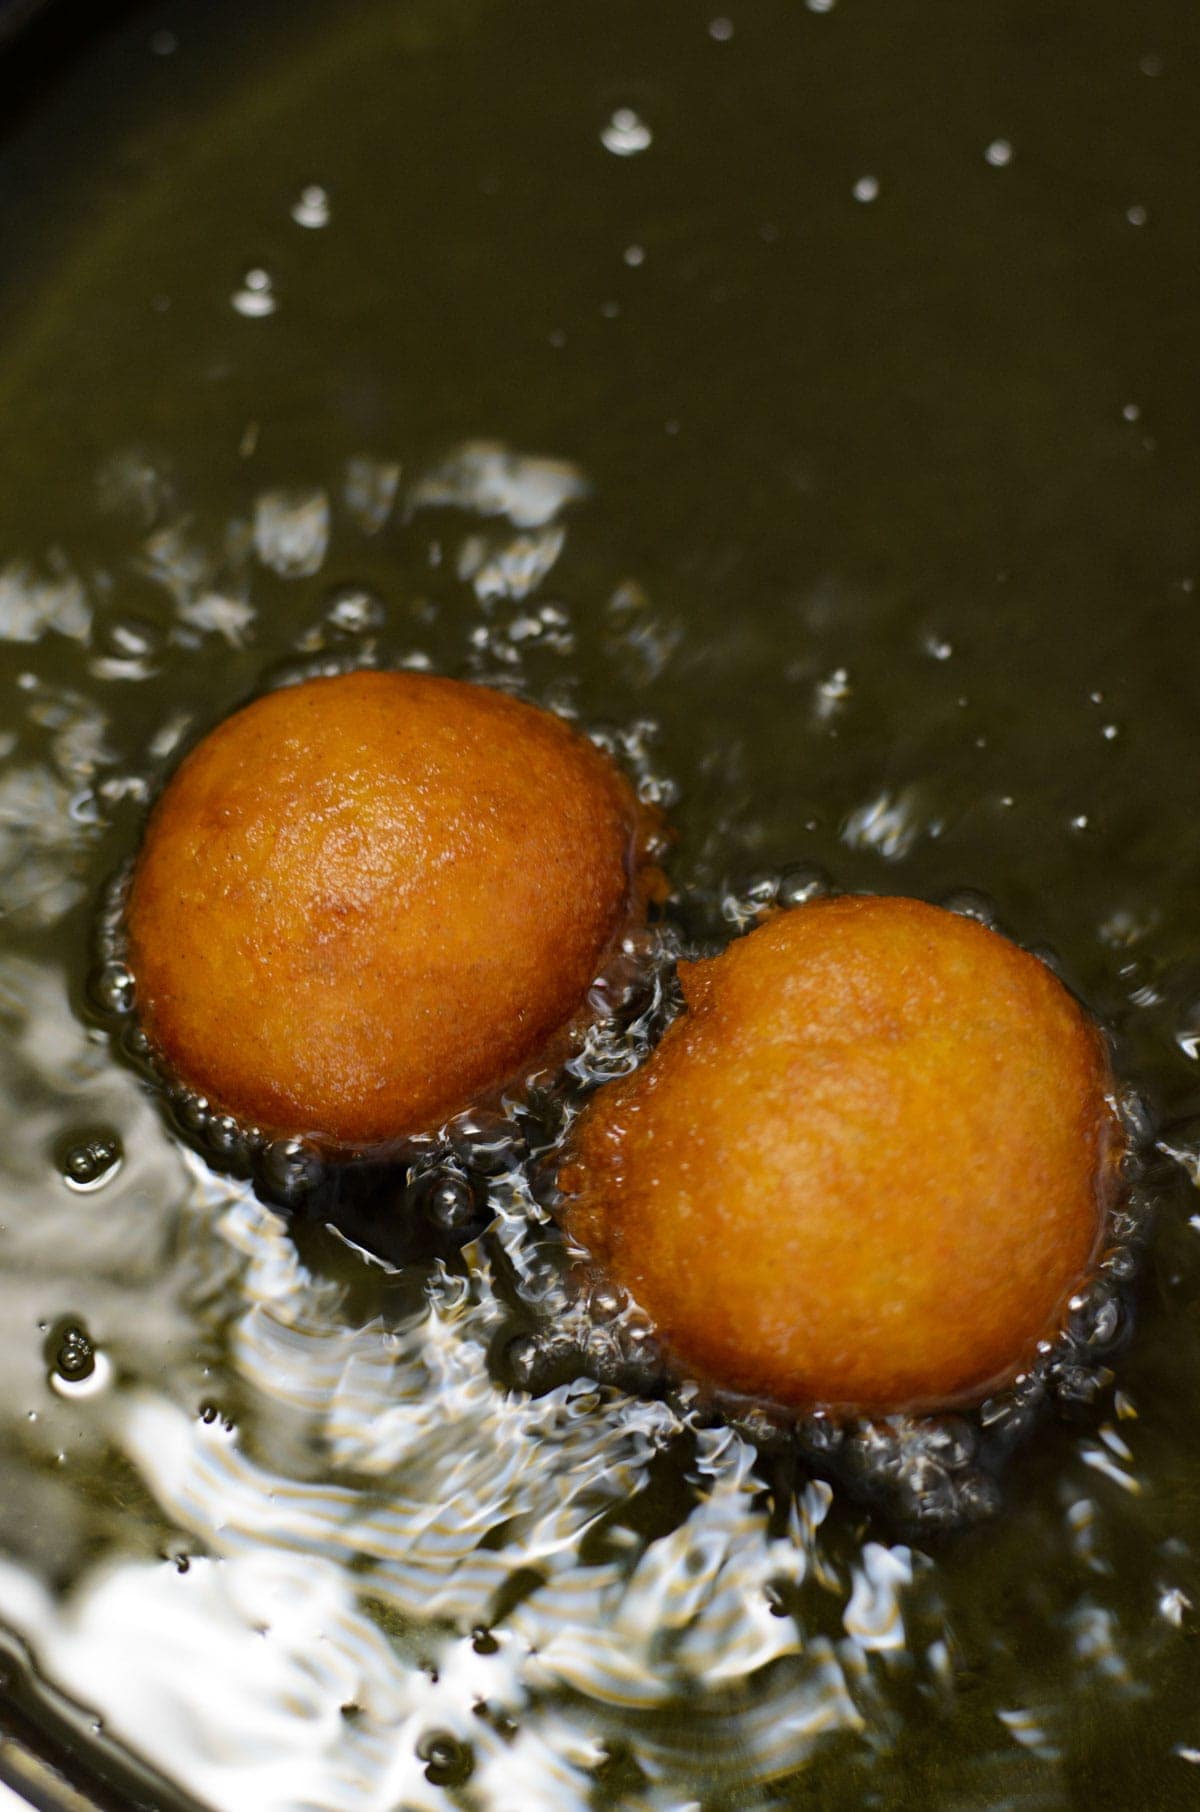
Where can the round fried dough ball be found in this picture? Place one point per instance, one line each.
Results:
(864, 1169)
(365, 902)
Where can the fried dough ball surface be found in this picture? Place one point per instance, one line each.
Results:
(364, 902)
(864, 1169)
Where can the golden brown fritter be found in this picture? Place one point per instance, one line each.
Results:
(363, 903)
(864, 1169)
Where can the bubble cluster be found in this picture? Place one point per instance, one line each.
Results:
(439, 1192)
(90, 1162)
(432, 1178)
(74, 1356)
(939, 1470)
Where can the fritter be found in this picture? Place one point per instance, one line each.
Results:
(364, 903)
(864, 1169)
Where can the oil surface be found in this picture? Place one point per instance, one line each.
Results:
(812, 382)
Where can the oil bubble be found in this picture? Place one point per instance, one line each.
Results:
(72, 1353)
(999, 153)
(968, 903)
(90, 1162)
(449, 1762)
(136, 1045)
(191, 1110)
(450, 1203)
(606, 1301)
(113, 990)
(289, 1171)
(255, 298)
(866, 189)
(802, 882)
(228, 1141)
(77, 1366)
(626, 134)
(311, 206)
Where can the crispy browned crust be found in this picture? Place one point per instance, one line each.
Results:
(366, 901)
(865, 1168)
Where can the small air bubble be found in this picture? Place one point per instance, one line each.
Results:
(75, 1356)
(113, 989)
(289, 1171)
(866, 188)
(606, 1301)
(92, 1162)
(721, 30)
(449, 1763)
(1137, 215)
(451, 1204)
(626, 134)
(256, 297)
(311, 206)
(634, 256)
(164, 44)
(820, 6)
(968, 903)
(77, 1367)
(999, 153)
(1131, 412)
(802, 882)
